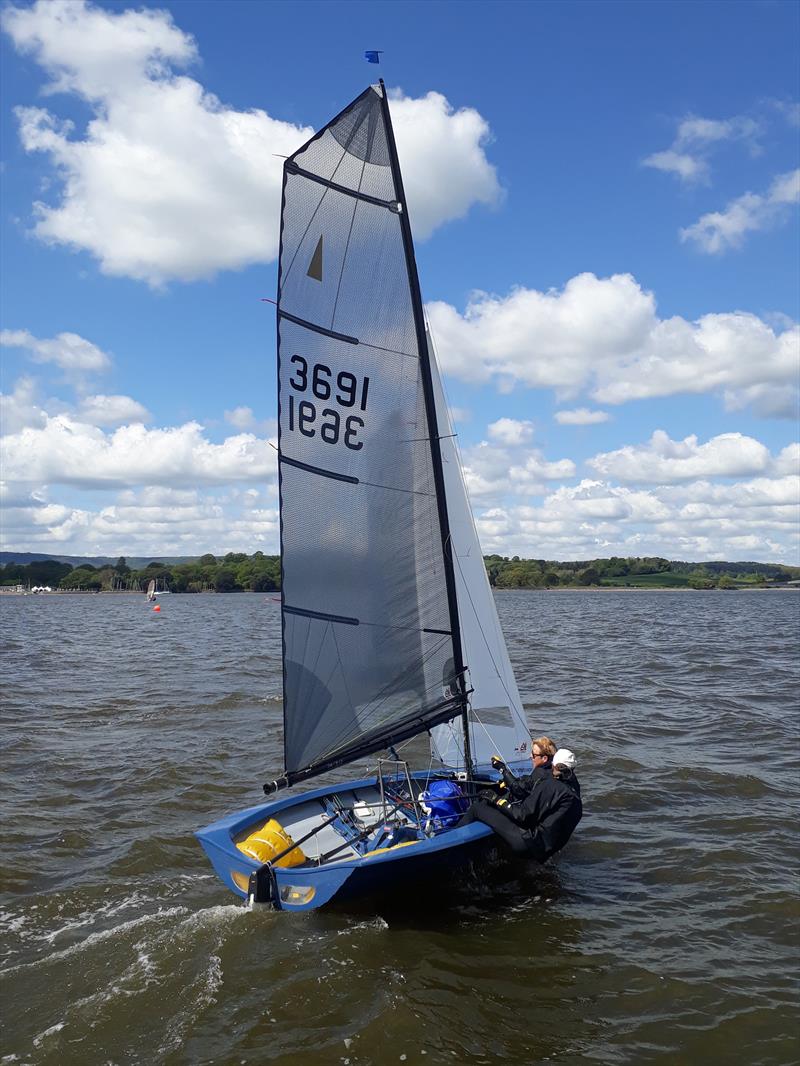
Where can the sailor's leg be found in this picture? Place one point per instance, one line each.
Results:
(468, 818)
(508, 831)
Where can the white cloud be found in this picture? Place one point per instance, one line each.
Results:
(757, 519)
(790, 109)
(445, 170)
(596, 500)
(151, 521)
(581, 416)
(67, 452)
(493, 471)
(662, 460)
(535, 469)
(687, 167)
(695, 130)
(19, 408)
(510, 431)
(718, 231)
(67, 350)
(785, 189)
(727, 352)
(788, 460)
(603, 335)
(241, 417)
(768, 401)
(205, 501)
(695, 138)
(543, 338)
(705, 497)
(111, 410)
(94, 52)
(169, 183)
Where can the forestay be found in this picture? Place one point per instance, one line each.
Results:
(368, 647)
(497, 720)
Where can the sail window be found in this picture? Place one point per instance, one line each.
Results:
(315, 266)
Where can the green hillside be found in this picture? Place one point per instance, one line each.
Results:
(238, 572)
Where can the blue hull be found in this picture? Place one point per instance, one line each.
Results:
(303, 888)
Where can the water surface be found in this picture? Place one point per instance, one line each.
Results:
(665, 932)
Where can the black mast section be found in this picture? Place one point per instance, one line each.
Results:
(433, 425)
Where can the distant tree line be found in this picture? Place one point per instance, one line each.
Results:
(234, 572)
(238, 572)
(617, 572)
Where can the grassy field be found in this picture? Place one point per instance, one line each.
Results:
(666, 580)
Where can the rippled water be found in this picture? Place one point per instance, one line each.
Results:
(666, 931)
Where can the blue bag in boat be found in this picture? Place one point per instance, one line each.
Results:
(444, 803)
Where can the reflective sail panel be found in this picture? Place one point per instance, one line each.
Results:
(368, 651)
(497, 720)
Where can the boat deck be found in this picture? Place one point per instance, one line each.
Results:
(359, 815)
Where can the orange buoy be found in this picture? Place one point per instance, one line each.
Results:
(156, 608)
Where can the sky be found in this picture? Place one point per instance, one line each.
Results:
(604, 198)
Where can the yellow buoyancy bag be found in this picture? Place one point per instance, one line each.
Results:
(271, 839)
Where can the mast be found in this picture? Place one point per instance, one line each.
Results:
(433, 426)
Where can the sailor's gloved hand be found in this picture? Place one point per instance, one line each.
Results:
(497, 763)
(499, 801)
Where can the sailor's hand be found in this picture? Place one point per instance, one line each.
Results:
(497, 763)
(499, 801)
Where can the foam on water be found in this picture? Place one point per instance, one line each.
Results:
(93, 940)
(41, 1037)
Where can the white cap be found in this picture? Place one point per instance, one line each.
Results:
(564, 757)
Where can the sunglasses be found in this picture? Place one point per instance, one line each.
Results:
(538, 755)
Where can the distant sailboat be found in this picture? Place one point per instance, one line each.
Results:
(389, 624)
(151, 591)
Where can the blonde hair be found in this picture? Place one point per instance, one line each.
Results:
(546, 744)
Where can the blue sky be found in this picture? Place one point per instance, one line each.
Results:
(605, 202)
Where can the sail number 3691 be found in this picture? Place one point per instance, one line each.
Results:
(345, 390)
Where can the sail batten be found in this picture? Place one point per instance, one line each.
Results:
(320, 329)
(369, 641)
(400, 732)
(392, 205)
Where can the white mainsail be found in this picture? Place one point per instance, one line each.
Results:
(497, 720)
(368, 596)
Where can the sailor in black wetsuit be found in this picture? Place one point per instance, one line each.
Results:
(540, 823)
(542, 751)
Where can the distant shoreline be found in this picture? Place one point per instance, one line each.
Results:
(276, 595)
(651, 588)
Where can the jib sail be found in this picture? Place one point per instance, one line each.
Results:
(497, 719)
(371, 647)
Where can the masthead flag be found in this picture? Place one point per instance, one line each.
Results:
(373, 57)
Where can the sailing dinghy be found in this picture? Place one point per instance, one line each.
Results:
(389, 625)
